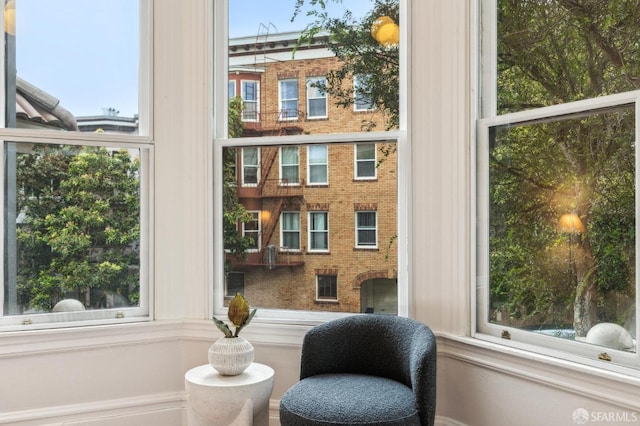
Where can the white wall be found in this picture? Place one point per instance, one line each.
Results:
(133, 375)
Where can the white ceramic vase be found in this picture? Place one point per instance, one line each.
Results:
(230, 356)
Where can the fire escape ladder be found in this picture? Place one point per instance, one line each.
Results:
(270, 227)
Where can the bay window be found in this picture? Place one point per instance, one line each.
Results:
(557, 181)
(76, 172)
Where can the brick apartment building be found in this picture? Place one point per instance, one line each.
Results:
(325, 215)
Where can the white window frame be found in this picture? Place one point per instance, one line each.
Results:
(284, 180)
(311, 164)
(284, 114)
(221, 140)
(144, 142)
(284, 231)
(357, 96)
(256, 101)
(311, 91)
(232, 88)
(582, 353)
(358, 228)
(258, 231)
(256, 166)
(356, 176)
(312, 231)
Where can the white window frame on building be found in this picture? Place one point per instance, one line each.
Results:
(255, 233)
(366, 229)
(255, 166)
(251, 101)
(315, 231)
(288, 232)
(361, 160)
(287, 100)
(362, 102)
(289, 165)
(317, 96)
(315, 163)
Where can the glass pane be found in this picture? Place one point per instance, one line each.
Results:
(72, 227)
(289, 215)
(562, 221)
(268, 46)
(73, 65)
(550, 52)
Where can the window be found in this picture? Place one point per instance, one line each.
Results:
(365, 161)
(318, 165)
(76, 202)
(235, 284)
(556, 184)
(250, 165)
(318, 231)
(250, 94)
(366, 229)
(251, 229)
(295, 232)
(288, 99)
(232, 89)
(316, 97)
(289, 165)
(290, 224)
(327, 287)
(362, 98)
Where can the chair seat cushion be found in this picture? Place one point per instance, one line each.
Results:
(348, 399)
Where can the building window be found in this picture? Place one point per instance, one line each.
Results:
(289, 165)
(316, 97)
(250, 166)
(318, 169)
(252, 229)
(234, 284)
(313, 153)
(318, 231)
(250, 100)
(288, 90)
(327, 287)
(556, 176)
(366, 230)
(75, 207)
(232, 89)
(362, 100)
(290, 230)
(365, 157)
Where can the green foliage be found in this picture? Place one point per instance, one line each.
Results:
(551, 52)
(81, 228)
(350, 40)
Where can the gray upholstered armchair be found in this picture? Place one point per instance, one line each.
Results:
(364, 369)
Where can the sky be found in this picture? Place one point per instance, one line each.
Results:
(85, 52)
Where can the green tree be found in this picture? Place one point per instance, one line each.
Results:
(361, 55)
(552, 52)
(79, 236)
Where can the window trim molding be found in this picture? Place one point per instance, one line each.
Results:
(483, 329)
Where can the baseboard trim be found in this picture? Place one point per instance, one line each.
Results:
(96, 411)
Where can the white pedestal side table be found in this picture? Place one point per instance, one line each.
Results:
(213, 399)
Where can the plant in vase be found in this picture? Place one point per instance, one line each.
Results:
(232, 354)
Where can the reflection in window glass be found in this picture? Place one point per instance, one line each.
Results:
(316, 97)
(318, 171)
(72, 228)
(562, 215)
(83, 79)
(365, 161)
